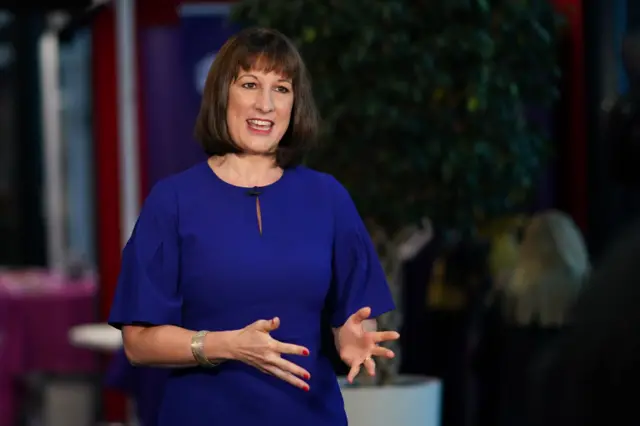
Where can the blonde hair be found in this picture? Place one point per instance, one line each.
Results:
(552, 266)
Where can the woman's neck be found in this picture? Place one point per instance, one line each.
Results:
(246, 170)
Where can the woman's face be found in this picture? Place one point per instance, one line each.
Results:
(259, 110)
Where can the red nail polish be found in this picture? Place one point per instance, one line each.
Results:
(307, 377)
(305, 352)
(306, 388)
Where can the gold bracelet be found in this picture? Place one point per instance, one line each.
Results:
(197, 349)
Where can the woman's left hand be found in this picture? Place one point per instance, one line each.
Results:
(358, 346)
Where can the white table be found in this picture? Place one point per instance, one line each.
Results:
(99, 337)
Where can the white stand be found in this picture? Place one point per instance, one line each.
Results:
(414, 401)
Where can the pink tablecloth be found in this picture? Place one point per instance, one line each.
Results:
(36, 312)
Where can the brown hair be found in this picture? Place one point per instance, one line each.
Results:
(264, 50)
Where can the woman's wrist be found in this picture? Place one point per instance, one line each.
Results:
(218, 345)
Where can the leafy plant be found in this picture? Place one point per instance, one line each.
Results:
(425, 103)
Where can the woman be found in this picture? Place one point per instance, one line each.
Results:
(232, 262)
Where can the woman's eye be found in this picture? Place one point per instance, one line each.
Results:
(249, 85)
(282, 89)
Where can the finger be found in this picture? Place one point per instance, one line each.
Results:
(385, 336)
(288, 348)
(267, 325)
(355, 369)
(362, 314)
(382, 352)
(290, 367)
(287, 377)
(274, 324)
(370, 366)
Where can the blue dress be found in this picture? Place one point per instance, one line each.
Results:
(196, 259)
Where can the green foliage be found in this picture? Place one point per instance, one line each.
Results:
(424, 102)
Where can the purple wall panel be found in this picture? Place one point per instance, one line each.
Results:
(169, 117)
(175, 60)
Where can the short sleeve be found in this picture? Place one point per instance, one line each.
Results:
(147, 291)
(358, 279)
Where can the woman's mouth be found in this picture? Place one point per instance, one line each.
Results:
(260, 126)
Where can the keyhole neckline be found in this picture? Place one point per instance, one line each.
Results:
(247, 188)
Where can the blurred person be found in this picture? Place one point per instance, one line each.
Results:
(504, 235)
(622, 136)
(623, 120)
(553, 264)
(527, 313)
(232, 262)
(589, 377)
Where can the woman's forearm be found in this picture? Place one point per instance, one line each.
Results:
(170, 346)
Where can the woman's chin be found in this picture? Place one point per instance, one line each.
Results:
(260, 149)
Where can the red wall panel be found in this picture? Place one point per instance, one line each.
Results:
(573, 179)
(107, 180)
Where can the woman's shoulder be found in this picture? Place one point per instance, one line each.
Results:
(325, 181)
(164, 192)
(332, 191)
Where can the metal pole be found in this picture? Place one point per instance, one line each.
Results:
(54, 193)
(127, 116)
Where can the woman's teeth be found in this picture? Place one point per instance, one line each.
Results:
(260, 124)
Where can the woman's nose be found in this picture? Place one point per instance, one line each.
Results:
(264, 103)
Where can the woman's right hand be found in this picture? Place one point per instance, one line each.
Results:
(254, 346)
